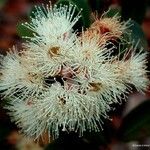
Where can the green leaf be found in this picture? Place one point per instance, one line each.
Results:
(2, 3)
(103, 137)
(136, 125)
(137, 35)
(85, 20)
(89, 140)
(70, 141)
(113, 11)
(134, 9)
(97, 138)
(99, 5)
(24, 31)
(53, 146)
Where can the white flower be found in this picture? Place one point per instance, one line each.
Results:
(93, 71)
(89, 85)
(59, 108)
(133, 70)
(64, 82)
(53, 21)
(87, 56)
(136, 71)
(51, 55)
(26, 117)
(18, 76)
(87, 51)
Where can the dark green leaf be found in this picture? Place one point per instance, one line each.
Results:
(136, 125)
(85, 20)
(103, 137)
(2, 3)
(53, 146)
(71, 141)
(113, 11)
(24, 31)
(134, 9)
(97, 138)
(90, 140)
(99, 5)
(137, 35)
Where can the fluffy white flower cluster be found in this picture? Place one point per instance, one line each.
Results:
(64, 81)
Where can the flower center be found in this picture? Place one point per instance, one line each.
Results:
(95, 86)
(62, 101)
(87, 54)
(34, 78)
(54, 51)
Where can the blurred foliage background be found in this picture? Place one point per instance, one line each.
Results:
(130, 125)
